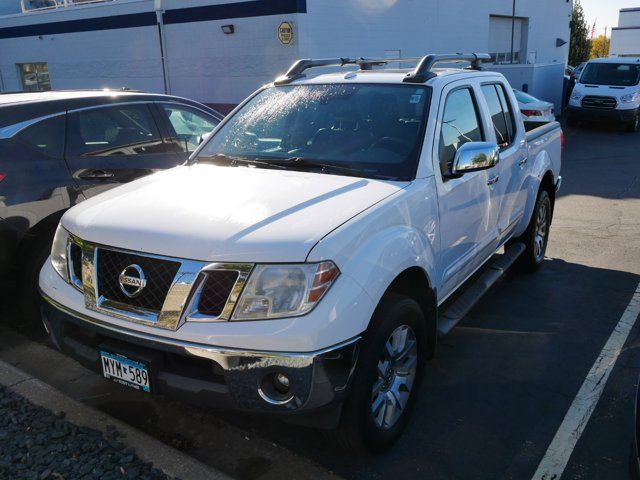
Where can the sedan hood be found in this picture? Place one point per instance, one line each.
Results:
(234, 214)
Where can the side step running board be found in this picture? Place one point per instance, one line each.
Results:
(494, 270)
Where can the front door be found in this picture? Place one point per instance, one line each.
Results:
(468, 218)
(110, 145)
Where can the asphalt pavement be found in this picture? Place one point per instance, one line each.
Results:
(502, 381)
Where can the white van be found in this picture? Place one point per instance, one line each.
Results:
(608, 90)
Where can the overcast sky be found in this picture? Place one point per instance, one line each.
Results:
(605, 12)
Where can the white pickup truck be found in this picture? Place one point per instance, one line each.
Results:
(307, 257)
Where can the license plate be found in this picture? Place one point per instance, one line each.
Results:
(125, 371)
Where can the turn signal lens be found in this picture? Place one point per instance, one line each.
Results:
(324, 277)
(532, 113)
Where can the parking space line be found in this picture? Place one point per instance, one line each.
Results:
(557, 456)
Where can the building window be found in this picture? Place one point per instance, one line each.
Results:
(34, 76)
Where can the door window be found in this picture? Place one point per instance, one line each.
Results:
(189, 125)
(46, 137)
(501, 114)
(119, 130)
(460, 124)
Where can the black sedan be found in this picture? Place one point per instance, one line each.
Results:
(59, 148)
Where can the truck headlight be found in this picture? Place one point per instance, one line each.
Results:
(630, 98)
(280, 291)
(59, 253)
(576, 96)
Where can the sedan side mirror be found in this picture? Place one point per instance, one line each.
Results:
(474, 156)
(204, 137)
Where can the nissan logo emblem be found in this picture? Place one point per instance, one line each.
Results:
(132, 281)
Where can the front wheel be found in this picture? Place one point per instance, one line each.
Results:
(634, 125)
(536, 236)
(390, 367)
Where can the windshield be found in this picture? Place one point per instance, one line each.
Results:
(363, 130)
(613, 74)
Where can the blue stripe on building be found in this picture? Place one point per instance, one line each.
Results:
(254, 8)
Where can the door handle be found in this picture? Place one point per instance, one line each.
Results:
(95, 174)
(493, 180)
(522, 161)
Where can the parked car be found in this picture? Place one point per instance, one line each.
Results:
(307, 258)
(534, 110)
(607, 90)
(58, 148)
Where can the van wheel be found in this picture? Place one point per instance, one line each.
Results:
(536, 236)
(634, 125)
(29, 300)
(387, 378)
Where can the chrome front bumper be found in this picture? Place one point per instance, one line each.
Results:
(208, 374)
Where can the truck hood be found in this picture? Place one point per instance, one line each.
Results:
(234, 214)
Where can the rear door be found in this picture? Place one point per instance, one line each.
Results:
(465, 203)
(114, 144)
(509, 134)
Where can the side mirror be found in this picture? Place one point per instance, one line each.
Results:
(204, 137)
(474, 156)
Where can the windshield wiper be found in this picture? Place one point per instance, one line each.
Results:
(235, 160)
(306, 163)
(324, 167)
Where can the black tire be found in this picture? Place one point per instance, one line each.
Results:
(533, 257)
(358, 431)
(29, 299)
(634, 125)
(572, 122)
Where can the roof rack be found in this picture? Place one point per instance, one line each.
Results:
(420, 74)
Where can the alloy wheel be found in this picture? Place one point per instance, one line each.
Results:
(396, 374)
(541, 231)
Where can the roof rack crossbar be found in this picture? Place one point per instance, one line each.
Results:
(420, 74)
(423, 71)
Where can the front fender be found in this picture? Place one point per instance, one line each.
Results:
(374, 248)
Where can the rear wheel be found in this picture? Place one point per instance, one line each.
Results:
(387, 378)
(536, 237)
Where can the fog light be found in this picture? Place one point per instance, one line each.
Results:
(281, 383)
(275, 388)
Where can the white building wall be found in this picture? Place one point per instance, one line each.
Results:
(205, 64)
(625, 39)
(369, 27)
(629, 17)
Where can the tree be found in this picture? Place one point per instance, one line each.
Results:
(600, 47)
(579, 45)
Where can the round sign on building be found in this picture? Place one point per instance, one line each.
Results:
(285, 33)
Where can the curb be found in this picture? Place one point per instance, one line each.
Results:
(172, 462)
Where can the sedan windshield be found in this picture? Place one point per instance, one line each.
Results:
(613, 74)
(364, 130)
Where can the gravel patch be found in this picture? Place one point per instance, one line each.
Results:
(36, 444)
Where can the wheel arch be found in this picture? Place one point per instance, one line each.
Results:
(31, 238)
(414, 282)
